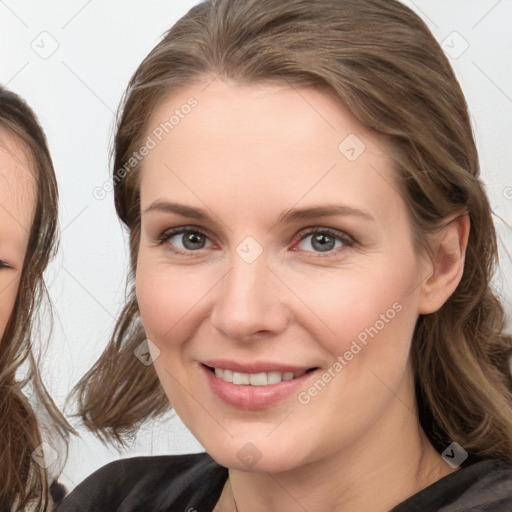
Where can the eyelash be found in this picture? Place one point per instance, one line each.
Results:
(4, 264)
(344, 238)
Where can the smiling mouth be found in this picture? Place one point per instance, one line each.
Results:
(256, 379)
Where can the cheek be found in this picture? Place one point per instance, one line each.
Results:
(171, 304)
(363, 304)
(169, 300)
(365, 322)
(9, 289)
(160, 303)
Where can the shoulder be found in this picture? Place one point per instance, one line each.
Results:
(150, 483)
(485, 485)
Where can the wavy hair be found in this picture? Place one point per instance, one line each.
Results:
(25, 404)
(380, 59)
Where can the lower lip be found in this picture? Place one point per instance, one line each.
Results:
(253, 397)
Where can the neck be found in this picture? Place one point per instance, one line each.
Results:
(379, 470)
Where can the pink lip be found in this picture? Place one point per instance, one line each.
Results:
(254, 367)
(253, 397)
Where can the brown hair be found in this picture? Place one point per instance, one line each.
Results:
(381, 60)
(24, 483)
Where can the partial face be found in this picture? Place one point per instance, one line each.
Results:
(276, 275)
(17, 205)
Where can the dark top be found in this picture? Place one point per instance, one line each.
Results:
(193, 483)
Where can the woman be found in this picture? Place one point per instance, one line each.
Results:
(311, 254)
(28, 216)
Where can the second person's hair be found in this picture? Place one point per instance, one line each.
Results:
(23, 482)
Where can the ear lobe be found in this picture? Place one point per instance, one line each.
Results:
(446, 264)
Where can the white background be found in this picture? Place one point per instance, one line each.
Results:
(75, 92)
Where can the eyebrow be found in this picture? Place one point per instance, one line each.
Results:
(317, 212)
(180, 209)
(288, 217)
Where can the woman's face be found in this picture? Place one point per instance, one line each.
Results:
(17, 204)
(275, 242)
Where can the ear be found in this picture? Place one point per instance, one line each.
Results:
(445, 265)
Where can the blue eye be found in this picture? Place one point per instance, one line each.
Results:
(323, 240)
(186, 239)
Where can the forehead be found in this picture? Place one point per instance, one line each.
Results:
(279, 141)
(251, 113)
(17, 189)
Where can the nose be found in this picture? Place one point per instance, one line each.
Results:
(248, 302)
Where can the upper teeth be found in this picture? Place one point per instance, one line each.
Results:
(256, 379)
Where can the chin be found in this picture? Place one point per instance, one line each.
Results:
(255, 457)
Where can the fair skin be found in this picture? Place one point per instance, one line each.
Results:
(17, 206)
(246, 155)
